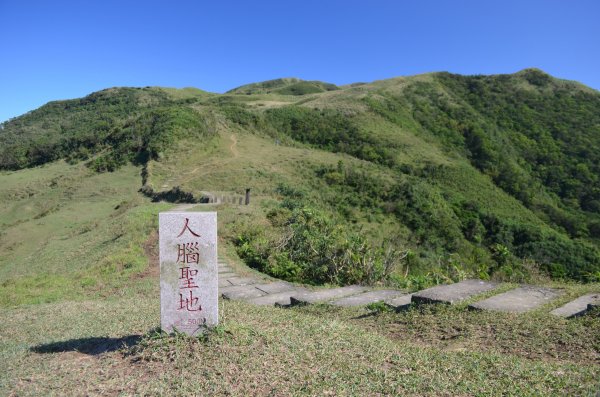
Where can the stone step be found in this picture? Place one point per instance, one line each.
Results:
(232, 288)
(278, 299)
(227, 275)
(453, 293)
(367, 297)
(273, 288)
(518, 300)
(400, 303)
(578, 306)
(240, 292)
(242, 281)
(324, 295)
(225, 269)
(224, 282)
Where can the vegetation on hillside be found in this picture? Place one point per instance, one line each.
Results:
(286, 86)
(443, 176)
(123, 124)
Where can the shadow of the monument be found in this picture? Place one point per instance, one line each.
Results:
(92, 346)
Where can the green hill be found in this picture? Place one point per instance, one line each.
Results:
(409, 181)
(285, 86)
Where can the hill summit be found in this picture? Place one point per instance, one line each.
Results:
(284, 86)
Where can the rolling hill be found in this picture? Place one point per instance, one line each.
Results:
(409, 181)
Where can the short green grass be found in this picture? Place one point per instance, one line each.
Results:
(91, 328)
(108, 347)
(69, 233)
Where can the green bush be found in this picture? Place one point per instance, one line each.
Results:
(311, 247)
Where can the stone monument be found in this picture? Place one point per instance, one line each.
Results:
(188, 271)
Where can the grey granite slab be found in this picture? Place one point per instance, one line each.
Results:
(399, 303)
(227, 275)
(224, 282)
(453, 293)
(578, 306)
(189, 297)
(275, 287)
(232, 288)
(225, 269)
(518, 300)
(324, 295)
(242, 280)
(367, 297)
(243, 292)
(279, 299)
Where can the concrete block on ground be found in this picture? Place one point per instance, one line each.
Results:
(224, 282)
(518, 300)
(453, 293)
(366, 298)
(325, 295)
(242, 292)
(578, 306)
(399, 303)
(232, 288)
(242, 280)
(275, 287)
(279, 299)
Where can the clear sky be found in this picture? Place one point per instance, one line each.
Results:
(58, 49)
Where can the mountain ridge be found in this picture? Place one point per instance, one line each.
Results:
(491, 170)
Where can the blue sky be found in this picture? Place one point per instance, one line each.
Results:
(67, 49)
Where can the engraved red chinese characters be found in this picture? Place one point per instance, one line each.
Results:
(188, 253)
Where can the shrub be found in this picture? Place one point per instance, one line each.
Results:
(312, 247)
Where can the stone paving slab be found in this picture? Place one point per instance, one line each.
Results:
(578, 306)
(367, 297)
(244, 292)
(277, 299)
(324, 295)
(227, 275)
(242, 280)
(399, 303)
(225, 269)
(275, 287)
(453, 293)
(518, 300)
(224, 282)
(233, 288)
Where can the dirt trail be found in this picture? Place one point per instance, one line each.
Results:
(233, 144)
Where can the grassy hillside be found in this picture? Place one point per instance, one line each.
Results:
(285, 86)
(408, 181)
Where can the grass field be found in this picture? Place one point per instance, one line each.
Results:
(91, 329)
(107, 347)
